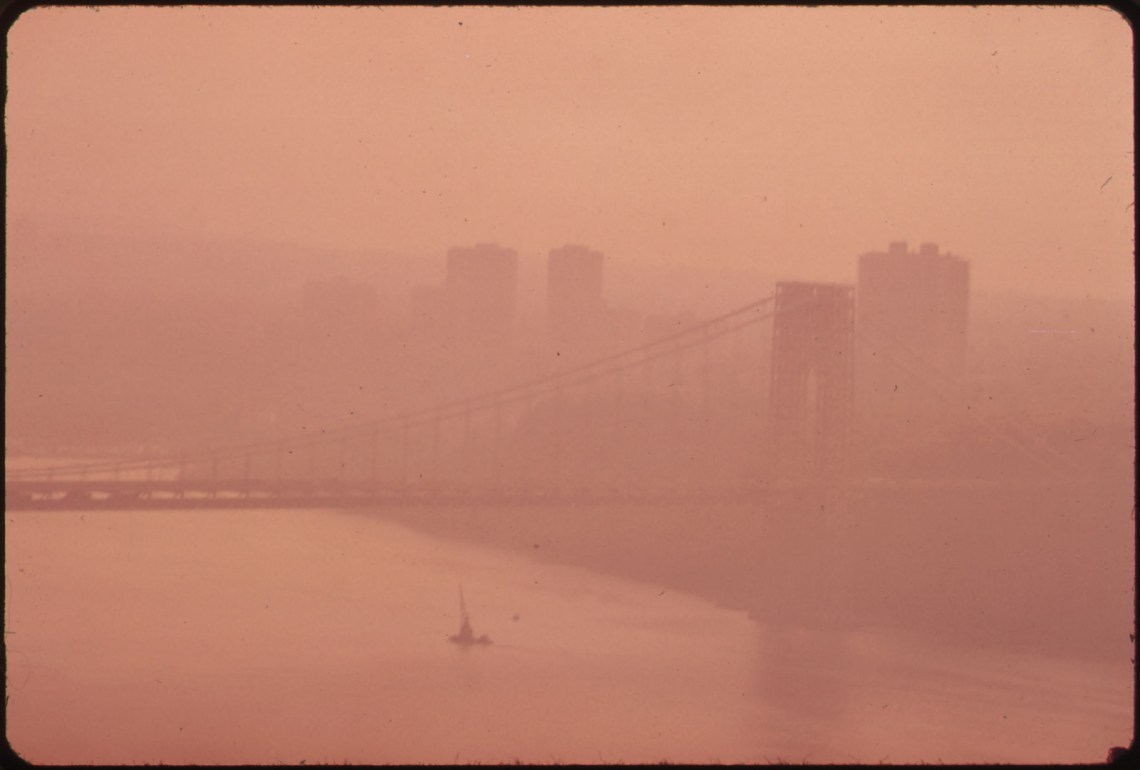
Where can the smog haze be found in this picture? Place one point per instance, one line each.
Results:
(625, 384)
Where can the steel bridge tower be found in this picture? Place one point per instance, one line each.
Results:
(811, 395)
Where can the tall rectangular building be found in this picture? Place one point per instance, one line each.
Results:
(480, 290)
(575, 308)
(914, 306)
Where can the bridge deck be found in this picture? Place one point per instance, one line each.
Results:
(107, 494)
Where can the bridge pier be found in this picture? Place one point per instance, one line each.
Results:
(496, 456)
(405, 443)
(811, 392)
(374, 450)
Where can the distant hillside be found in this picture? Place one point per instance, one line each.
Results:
(49, 261)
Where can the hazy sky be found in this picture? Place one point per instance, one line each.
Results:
(786, 140)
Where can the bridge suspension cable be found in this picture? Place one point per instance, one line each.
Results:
(946, 388)
(703, 333)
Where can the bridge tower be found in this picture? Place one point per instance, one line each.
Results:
(811, 391)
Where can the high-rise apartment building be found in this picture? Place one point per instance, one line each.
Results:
(575, 308)
(914, 305)
(480, 290)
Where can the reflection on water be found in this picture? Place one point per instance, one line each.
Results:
(876, 696)
(281, 636)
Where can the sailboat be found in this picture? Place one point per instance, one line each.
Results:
(466, 636)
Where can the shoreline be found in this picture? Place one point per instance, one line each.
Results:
(888, 566)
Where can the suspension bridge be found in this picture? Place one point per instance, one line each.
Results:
(674, 418)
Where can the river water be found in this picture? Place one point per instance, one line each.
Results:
(282, 636)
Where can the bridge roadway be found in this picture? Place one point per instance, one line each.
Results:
(111, 494)
(88, 494)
